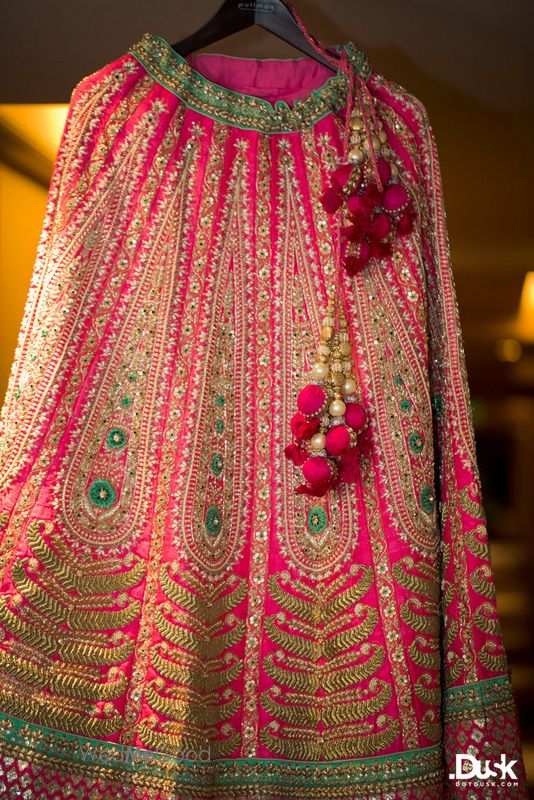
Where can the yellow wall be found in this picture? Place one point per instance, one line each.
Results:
(22, 210)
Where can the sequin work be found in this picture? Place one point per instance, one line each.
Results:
(177, 623)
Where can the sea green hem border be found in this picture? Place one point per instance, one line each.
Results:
(115, 761)
(239, 109)
(488, 696)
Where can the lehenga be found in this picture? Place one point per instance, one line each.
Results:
(175, 620)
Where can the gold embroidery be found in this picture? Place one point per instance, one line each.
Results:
(41, 706)
(199, 628)
(392, 630)
(128, 381)
(47, 350)
(316, 628)
(86, 577)
(55, 677)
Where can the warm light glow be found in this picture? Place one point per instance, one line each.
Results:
(508, 350)
(39, 124)
(525, 318)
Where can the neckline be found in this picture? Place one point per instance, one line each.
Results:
(243, 110)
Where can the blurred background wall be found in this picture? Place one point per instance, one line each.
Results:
(472, 65)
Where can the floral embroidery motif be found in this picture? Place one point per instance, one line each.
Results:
(102, 493)
(217, 464)
(416, 442)
(317, 519)
(213, 520)
(426, 497)
(116, 438)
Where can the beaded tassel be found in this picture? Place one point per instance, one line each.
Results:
(329, 417)
(328, 427)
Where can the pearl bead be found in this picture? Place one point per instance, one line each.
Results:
(319, 371)
(318, 441)
(349, 387)
(394, 169)
(356, 154)
(337, 408)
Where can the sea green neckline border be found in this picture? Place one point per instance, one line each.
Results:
(40, 743)
(243, 110)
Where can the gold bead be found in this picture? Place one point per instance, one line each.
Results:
(337, 408)
(318, 441)
(349, 387)
(327, 332)
(319, 370)
(356, 121)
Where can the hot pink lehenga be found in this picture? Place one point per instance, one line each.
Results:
(175, 620)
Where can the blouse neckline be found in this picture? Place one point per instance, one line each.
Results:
(237, 108)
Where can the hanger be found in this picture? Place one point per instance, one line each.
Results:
(236, 15)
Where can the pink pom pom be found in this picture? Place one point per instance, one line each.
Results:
(395, 197)
(372, 195)
(337, 440)
(296, 454)
(355, 416)
(331, 200)
(356, 231)
(380, 249)
(341, 175)
(380, 226)
(357, 203)
(406, 221)
(353, 265)
(316, 469)
(311, 399)
(302, 427)
(384, 170)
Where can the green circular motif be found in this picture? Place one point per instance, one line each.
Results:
(437, 404)
(317, 519)
(116, 438)
(427, 499)
(213, 520)
(217, 464)
(219, 425)
(405, 405)
(398, 380)
(416, 442)
(126, 401)
(220, 401)
(132, 376)
(102, 493)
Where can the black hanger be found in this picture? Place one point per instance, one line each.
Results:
(236, 15)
